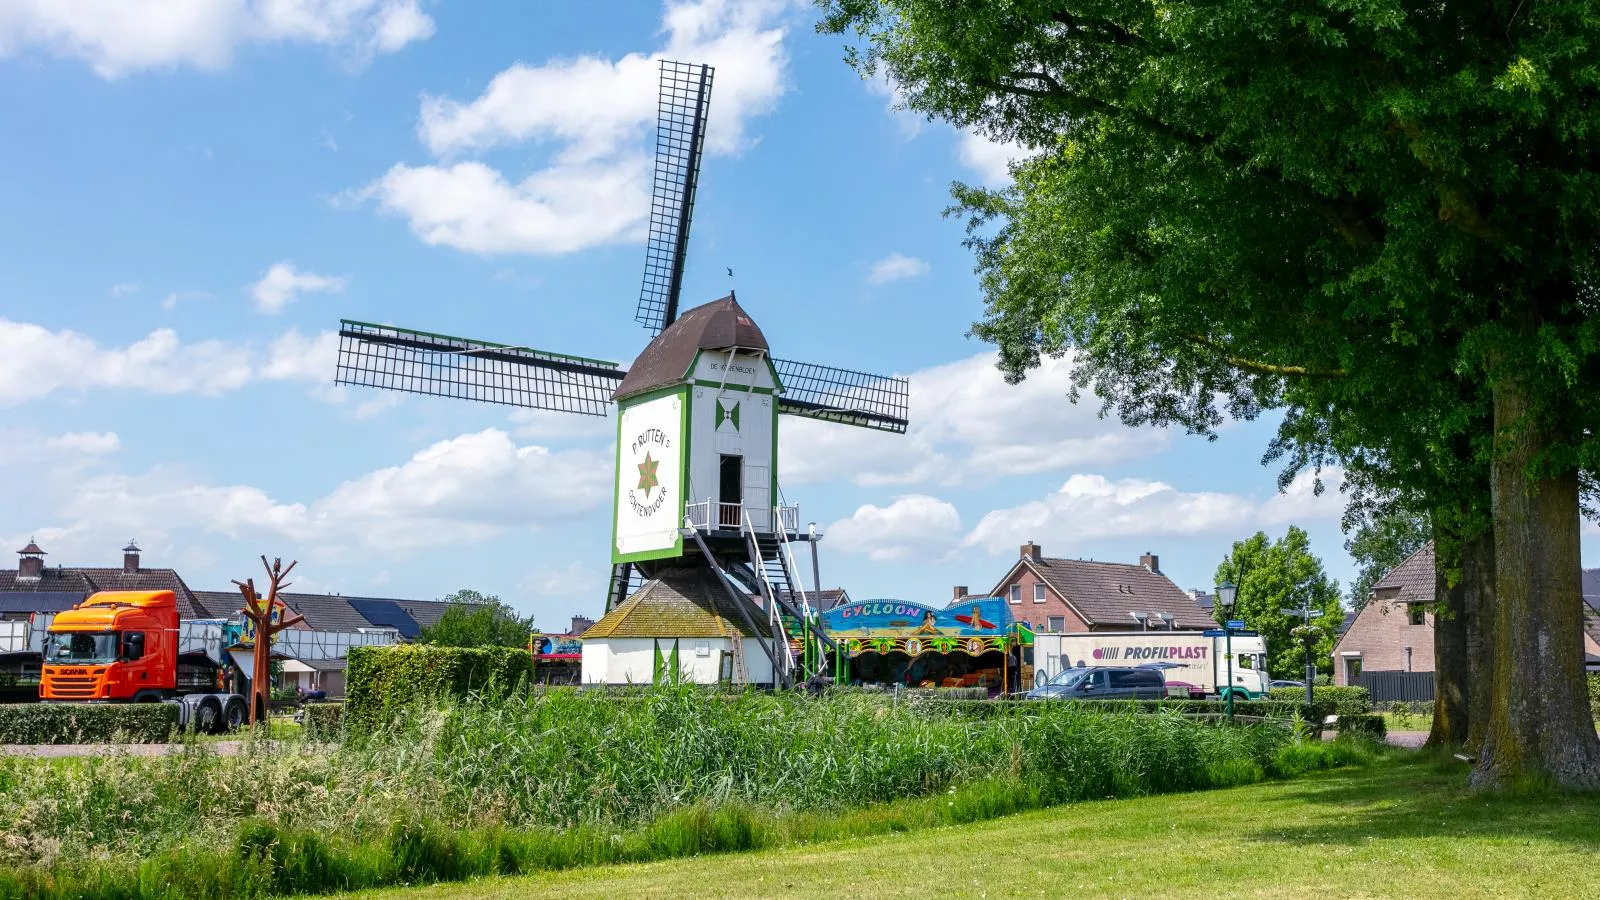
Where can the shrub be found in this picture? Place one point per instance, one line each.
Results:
(382, 681)
(323, 719)
(1594, 694)
(87, 723)
(1329, 701)
(1365, 725)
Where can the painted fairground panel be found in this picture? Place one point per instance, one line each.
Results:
(970, 644)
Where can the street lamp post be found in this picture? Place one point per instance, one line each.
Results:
(1227, 592)
(1306, 613)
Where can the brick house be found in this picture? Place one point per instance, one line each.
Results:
(1393, 631)
(1054, 594)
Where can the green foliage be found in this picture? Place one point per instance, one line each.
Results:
(1380, 544)
(1328, 701)
(381, 682)
(87, 723)
(474, 620)
(1372, 726)
(1594, 695)
(323, 720)
(566, 777)
(1279, 575)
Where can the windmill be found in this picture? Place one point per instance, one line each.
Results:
(696, 483)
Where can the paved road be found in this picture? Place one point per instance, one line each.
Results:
(1412, 739)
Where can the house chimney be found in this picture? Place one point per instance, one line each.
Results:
(1151, 561)
(1032, 551)
(580, 624)
(130, 558)
(30, 567)
(959, 593)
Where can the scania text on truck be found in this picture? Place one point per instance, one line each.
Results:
(1194, 659)
(122, 647)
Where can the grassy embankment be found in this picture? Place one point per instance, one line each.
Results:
(567, 779)
(1405, 827)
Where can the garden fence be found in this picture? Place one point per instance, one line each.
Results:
(1386, 687)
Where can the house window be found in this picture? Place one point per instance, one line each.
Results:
(1016, 593)
(1058, 623)
(1352, 669)
(1038, 593)
(1418, 613)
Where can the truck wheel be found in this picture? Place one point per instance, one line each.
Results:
(208, 717)
(235, 715)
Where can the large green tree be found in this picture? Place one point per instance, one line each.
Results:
(1273, 576)
(475, 620)
(1380, 543)
(1352, 197)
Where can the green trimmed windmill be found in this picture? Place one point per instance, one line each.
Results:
(697, 508)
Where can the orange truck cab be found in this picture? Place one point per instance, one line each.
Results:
(114, 646)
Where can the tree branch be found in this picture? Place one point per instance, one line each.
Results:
(1263, 368)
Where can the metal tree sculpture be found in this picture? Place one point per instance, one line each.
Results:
(260, 615)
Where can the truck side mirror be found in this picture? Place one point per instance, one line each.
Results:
(132, 647)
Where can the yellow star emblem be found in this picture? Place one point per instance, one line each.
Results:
(647, 474)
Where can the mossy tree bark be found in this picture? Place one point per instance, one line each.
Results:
(1452, 673)
(1539, 727)
(1477, 584)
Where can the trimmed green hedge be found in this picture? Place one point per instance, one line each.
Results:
(1329, 701)
(1369, 725)
(380, 682)
(87, 723)
(322, 719)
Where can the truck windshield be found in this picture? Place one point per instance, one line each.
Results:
(82, 647)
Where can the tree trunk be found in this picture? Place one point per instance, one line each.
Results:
(1539, 729)
(1477, 585)
(1451, 674)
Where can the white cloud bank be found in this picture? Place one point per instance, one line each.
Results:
(967, 425)
(283, 284)
(596, 114)
(119, 37)
(896, 267)
(36, 362)
(915, 525)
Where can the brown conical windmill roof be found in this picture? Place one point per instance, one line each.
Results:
(718, 325)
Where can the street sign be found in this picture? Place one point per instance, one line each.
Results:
(1236, 624)
(1212, 632)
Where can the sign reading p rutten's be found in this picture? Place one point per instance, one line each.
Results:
(650, 498)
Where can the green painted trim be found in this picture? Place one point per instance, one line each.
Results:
(700, 382)
(773, 496)
(683, 392)
(454, 337)
(776, 381)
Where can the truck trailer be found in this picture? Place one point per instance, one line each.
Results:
(1193, 659)
(124, 647)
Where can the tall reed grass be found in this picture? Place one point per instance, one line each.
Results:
(563, 778)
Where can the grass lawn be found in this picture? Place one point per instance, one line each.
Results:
(1402, 828)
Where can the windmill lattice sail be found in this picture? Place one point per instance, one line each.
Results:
(680, 136)
(437, 365)
(843, 395)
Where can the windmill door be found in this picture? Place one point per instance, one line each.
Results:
(758, 494)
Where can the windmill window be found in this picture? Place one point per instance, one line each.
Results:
(1038, 593)
(1016, 593)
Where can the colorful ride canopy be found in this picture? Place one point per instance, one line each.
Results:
(986, 617)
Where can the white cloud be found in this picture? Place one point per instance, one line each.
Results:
(36, 362)
(967, 425)
(93, 443)
(896, 267)
(283, 284)
(1091, 507)
(596, 114)
(464, 489)
(118, 291)
(22, 445)
(915, 525)
(989, 160)
(118, 37)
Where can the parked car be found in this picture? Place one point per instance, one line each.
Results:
(1284, 682)
(1182, 689)
(1103, 683)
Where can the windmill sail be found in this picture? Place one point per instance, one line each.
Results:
(418, 362)
(843, 395)
(680, 136)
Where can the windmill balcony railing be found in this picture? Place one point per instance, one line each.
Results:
(708, 515)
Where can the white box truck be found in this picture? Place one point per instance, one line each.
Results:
(1196, 660)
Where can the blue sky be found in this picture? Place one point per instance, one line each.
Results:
(194, 198)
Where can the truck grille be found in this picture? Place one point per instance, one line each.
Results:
(72, 687)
